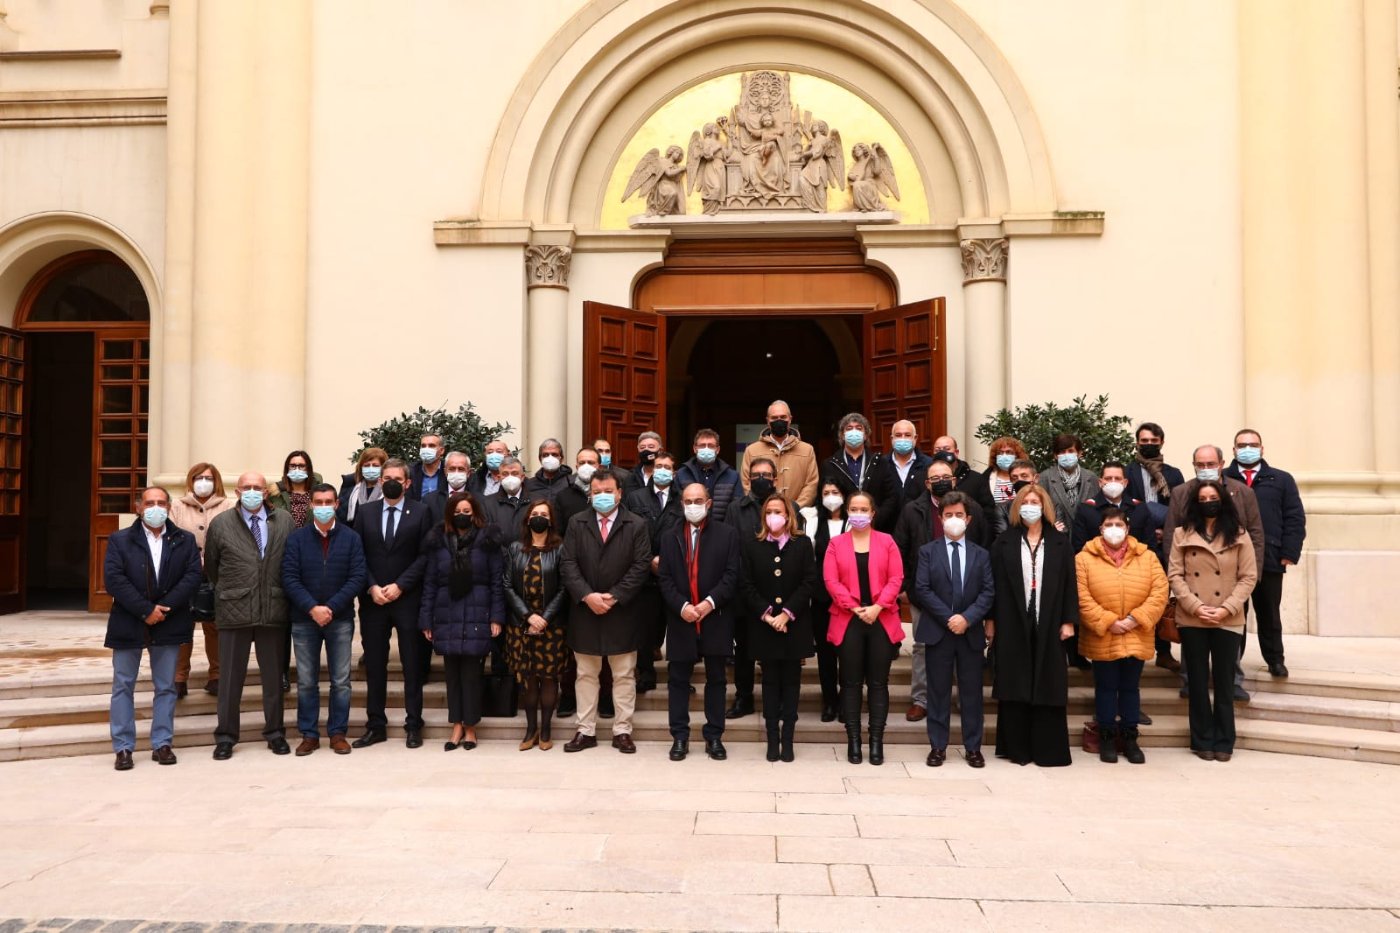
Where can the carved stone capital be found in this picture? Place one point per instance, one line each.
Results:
(547, 266)
(984, 260)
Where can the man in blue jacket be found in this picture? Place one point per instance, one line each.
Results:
(323, 570)
(151, 570)
(708, 468)
(1285, 527)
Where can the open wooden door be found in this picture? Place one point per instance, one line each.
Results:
(906, 369)
(121, 400)
(11, 470)
(624, 374)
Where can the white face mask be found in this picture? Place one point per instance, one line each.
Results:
(955, 527)
(1115, 534)
(510, 484)
(695, 513)
(550, 463)
(1113, 490)
(203, 487)
(456, 479)
(832, 503)
(586, 472)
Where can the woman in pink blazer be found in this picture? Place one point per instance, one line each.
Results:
(864, 574)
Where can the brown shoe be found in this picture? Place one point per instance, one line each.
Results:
(164, 755)
(530, 741)
(339, 745)
(1168, 662)
(307, 746)
(624, 744)
(580, 741)
(915, 713)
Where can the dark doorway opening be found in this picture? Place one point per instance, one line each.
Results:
(59, 470)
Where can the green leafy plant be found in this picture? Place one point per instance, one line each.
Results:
(1105, 436)
(462, 430)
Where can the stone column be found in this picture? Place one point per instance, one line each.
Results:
(984, 306)
(547, 346)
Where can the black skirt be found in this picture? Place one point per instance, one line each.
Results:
(1029, 734)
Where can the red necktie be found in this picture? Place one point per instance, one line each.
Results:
(604, 530)
(1249, 477)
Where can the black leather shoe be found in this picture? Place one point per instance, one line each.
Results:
(1144, 719)
(368, 739)
(580, 742)
(223, 751)
(740, 708)
(414, 739)
(975, 759)
(715, 749)
(568, 706)
(1277, 669)
(936, 757)
(679, 749)
(1241, 694)
(828, 713)
(212, 687)
(606, 710)
(286, 684)
(279, 747)
(182, 690)
(124, 762)
(164, 755)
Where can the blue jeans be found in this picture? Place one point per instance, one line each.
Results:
(1116, 691)
(126, 665)
(307, 638)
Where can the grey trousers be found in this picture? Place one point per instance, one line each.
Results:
(918, 678)
(234, 646)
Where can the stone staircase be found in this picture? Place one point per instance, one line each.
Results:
(54, 713)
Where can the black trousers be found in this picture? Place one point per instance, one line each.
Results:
(866, 655)
(1209, 656)
(782, 686)
(743, 666)
(653, 633)
(678, 674)
(1265, 601)
(828, 667)
(466, 679)
(234, 646)
(950, 654)
(377, 623)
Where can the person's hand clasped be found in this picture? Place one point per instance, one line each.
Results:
(157, 615)
(600, 603)
(537, 623)
(957, 624)
(495, 629)
(1066, 631)
(321, 615)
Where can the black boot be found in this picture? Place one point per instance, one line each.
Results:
(772, 740)
(788, 728)
(877, 746)
(1108, 743)
(879, 713)
(1131, 750)
(850, 706)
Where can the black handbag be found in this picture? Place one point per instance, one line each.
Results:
(501, 694)
(203, 602)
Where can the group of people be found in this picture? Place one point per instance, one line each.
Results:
(574, 578)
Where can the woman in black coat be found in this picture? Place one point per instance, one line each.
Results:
(1037, 608)
(778, 577)
(831, 521)
(464, 604)
(535, 646)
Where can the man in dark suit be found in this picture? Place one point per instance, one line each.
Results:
(1150, 478)
(1087, 517)
(855, 467)
(700, 588)
(573, 498)
(954, 591)
(949, 445)
(906, 465)
(604, 563)
(506, 507)
(660, 504)
(392, 530)
(1285, 528)
(919, 523)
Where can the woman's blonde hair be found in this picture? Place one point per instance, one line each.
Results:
(1047, 508)
(794, 528)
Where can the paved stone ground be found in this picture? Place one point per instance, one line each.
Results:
(500, 838)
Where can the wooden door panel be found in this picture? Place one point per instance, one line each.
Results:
(624, 378)
(121, 401)
(906, 369)
(11, 471)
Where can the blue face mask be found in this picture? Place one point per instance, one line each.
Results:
(604, 502)
(706, 455)
(1030, 514)
(297, 476)
(1207, 476)
(662, 477)
(427, 454)
(1067, 460)
(323, 513)
(1248, 455)
(252, 499)
(154, 516)
(1004, 461)
(854, 438)
(494, 461)
(903, 445)
(605, 459)
(370, 473)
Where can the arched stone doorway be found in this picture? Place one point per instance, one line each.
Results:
(74, 401)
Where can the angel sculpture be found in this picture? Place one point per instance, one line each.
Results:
(871, 176)
(823, 166)
(706, 159)
(659, 181)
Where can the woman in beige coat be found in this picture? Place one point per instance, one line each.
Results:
(203, 499)
(1212, 573)
(1122, 592)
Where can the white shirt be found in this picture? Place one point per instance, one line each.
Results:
(1148, 493)
(611, 519)
(493, 483)
(962, 556)
(156, 541)
(903, 471)
(664, 495)
(384, 517)
(1039, 571)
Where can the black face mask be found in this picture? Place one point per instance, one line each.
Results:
(1210, 509)
(762, 487)
(647, 456)
(539, 523)
(1019, 485)
(461, 521)
(1150, 451)
(941, 487)
(392, 488)
(779, 427)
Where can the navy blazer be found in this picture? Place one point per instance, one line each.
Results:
(1280, 511)
(716, 577)
(933, 592)
(332, 577)
(1171, 474)
(127, 574)
(404, 561)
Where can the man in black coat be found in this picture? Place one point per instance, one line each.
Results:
(486, 481)
(949, 444)
(457, 470)
(906, 465)
(151, 570)
(1285, 528)
(856, 468)
(708, 467)
(658, 502)
(552, 476)
(699, 577)
(1144, 470)
(604, 563)
(392, 531)
(506, 507)
(1112, 492)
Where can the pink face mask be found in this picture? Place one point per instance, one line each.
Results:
(858, 520)
(776, 523)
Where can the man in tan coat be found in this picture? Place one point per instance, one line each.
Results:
(796, 460)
